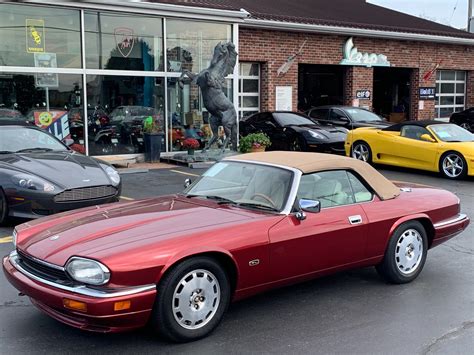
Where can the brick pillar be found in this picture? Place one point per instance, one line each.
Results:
(358, 78)
(470, 89)
(414, 94)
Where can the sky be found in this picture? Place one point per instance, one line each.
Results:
(441, 11)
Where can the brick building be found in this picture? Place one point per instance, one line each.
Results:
(90, 66)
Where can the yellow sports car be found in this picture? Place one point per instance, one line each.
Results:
(425, 145)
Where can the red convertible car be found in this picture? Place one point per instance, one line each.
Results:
(250, 223)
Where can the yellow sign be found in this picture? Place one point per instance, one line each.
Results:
(35, 36)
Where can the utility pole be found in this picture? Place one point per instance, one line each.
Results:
(470, 24)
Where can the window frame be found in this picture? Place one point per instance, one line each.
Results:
(440, 81)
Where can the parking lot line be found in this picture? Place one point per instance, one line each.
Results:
(127, 198)
(6, 240)
(184, 173)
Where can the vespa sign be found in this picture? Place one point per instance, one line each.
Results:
(352, 56)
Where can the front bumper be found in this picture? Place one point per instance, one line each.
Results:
(100, 315)
(336, 147)
(31, 205)
(447, 229)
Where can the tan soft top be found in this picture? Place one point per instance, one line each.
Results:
(313, 162)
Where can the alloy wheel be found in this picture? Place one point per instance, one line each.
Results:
(361, 152)
(409, 251)
(453, 165)
(196, 299)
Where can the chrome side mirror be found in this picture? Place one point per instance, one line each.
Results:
(187, 182)
(313, 206)
(304, 205)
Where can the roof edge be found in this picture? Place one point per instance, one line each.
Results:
(350, 31)
(143, 7)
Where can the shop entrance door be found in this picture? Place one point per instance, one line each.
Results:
(391, 95)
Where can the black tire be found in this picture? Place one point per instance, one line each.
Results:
(3, 208)
(297, 145)
(167, 308)
(392, 266)
(451, 170)
(360, 150)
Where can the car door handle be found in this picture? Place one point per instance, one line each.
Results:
(355, 219)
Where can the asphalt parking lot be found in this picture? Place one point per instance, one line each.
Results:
(352, 312)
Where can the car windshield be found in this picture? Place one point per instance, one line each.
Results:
(286, 119)
(24, 139)
(359, 115)
(452, 133)
(245, 185)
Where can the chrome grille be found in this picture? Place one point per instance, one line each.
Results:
(85, 193)
(42, 270)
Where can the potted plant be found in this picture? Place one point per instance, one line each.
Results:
(254, 142)
(190, 144)
(153, 137)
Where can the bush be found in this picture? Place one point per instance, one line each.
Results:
(254, 140)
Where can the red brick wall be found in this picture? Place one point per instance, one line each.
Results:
(358, 78)
(271, 48)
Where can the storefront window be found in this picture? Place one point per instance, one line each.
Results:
(450, 92)
(50, 101)
(118, 109)
(37, 36)
(187, 116)
(190, 44)
(249, 89)
(123, 42)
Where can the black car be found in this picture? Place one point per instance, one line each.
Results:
(347, 116)
(465, 119)
(39, 175)
(294, 131)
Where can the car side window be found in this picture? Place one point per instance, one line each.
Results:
(320, 113)
(360, 191)
(336, 115)
(330, 188)
(413, 132)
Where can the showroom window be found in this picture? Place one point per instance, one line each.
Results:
(249, 89)
(118, 109)
(187, 116)
(123, 42)
(190, 44)
(50, 101)
(450, 92)
(29, 34)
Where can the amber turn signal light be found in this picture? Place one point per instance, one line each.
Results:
(75, 305)
(122, 305)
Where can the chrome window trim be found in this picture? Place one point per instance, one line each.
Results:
(294, 187)
(81, 290)
(458, 218)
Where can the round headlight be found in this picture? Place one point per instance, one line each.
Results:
(88, 271)
(113, 175)
(30, 182)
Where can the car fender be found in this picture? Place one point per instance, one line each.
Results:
(187, 253)
(404, 219)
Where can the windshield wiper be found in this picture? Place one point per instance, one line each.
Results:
(213, 197)
(5, 152)
(34, 150)
(258, 206)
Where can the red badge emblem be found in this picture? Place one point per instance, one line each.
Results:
(125, 40)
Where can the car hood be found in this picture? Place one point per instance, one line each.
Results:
(328, 131)
(122, 227)
(64, 169)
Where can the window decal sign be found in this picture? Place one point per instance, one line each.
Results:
(352, 56)
(46, 80)
(35, 36)
(56, 122)
(124, 40)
